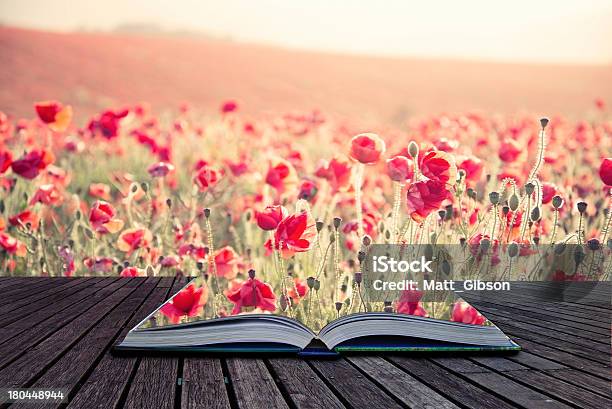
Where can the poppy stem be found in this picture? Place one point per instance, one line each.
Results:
(397, 200)
(359, 170)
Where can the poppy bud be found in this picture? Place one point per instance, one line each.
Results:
(506, 210)
(284, 302)
(387, 234)
(557, 202)
(388, 307)
(338, 306)
(544, 122)
(207, 212)
(535, 214)
(536, 240)
(317, 285)
(337, 222)
(513, 249)
(494, 198)
(144, 186)
(319, 225)
(471, 193)
(529, 188)
(367, 240)
(200, 265)
(134, 188)
(310, 282)
(2, 207)
(169, 203)
(358, 278)
(582, 206)
(413, 149)
(442, 214)
(367, 148)
(513, 202)
(251, 273)
(361, 256)
(332, 239)
(77, 215)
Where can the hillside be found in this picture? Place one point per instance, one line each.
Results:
(92, 71)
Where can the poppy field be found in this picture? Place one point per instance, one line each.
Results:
(276, 212)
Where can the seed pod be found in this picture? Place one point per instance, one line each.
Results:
(442, 214)
(317, 285)
(169, 203)
(513, 249)
(77, 215)
(387, 234)
(251, 273)
(513, 202)
(582, 206)
(337, 222)
(284, 303)
(310, 281)
(494, 198)
(578, 255)
(358, 278)
(413, 149)
(535, 214)
(529, 188)
(560, 248)
(338, 306)
(484, 245)
(361, 256)
(367, 240)
(207, 212)
(505, 210)
(319, 225)
(544, 122)
(471, 193)
(134, 188)
(144, 186)
(388, 307)
(557, 201)
(593, 244)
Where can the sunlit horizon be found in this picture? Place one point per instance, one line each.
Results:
(545, 32)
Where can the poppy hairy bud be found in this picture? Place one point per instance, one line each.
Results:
(544, 121)
(582, 206)
(367, 240)
(494, 198)
(413, 149)
(513, 249)
(320, 225)
(337, 222)
(535, 214)
(529, 188)
(513, 202)
(251, 273)
(593, 244)
(358, 277)
(207, 212)
(557, 201)
(310, 281)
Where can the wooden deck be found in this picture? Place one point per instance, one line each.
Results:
(58, 333)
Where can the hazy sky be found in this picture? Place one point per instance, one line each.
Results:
(575, 31)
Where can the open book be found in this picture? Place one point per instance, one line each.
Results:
(459, 327)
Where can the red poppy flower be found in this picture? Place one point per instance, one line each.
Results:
(24, 218)
(107, 124)
(297, 291)
(548, 192)
(439, 166)
(425, 197)
(472, 166)
(229, 106)
(367, 148)
(99, 264)
(466, 314)
(400, 169)
(206, 178)
(307, 190)
(67, 256)
(605, 171)
(189, 302)
(560, 275)
(6, 158)
(509, 150)
(281, 175)
(46, 194)
(270, 217)
(169, 261)
(160, 169)
(237, 168)
(101, 218)
(226, 262)
(54, 114)
(294, 234)
(12, 246)
(253, 293)
(133, 239)
(132, 272)
(100, 190)
(410, 303)
(32, 163)
(337, 172)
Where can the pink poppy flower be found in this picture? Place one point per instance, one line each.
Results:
(337, 172)
(466, 314)
(367, 148)
(12, 246)
(439, 166)
(410, 303)
(27, 217)
(297, 291)
(102, 218)
(270, 217)
(425, 197)
(160, 169)
(253, 294)
(132, 272)
(99, 264)
(226, 262)
(294, 234)
(46, 194)
(229, 106)
(100, 191)
(32, 163)
(207, 178)
(6, 158)
(54, 114)
(281, 175)
(605, 171)
(400, 169)
(133, 239)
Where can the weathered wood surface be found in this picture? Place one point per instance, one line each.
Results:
(59, 333)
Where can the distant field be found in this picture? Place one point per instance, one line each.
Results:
(92, 71)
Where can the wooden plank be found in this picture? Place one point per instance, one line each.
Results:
(398, 383)
(450, 385)
(11, 283)
(348, 382)
(59, 314)
(27, 287)
(111, 377)
(155, 381)
(568, 359)
(253, 384)
(26, 307)
(68, 371)
(36, 361)
(204, 385)
(301, 385)
(501, 385)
